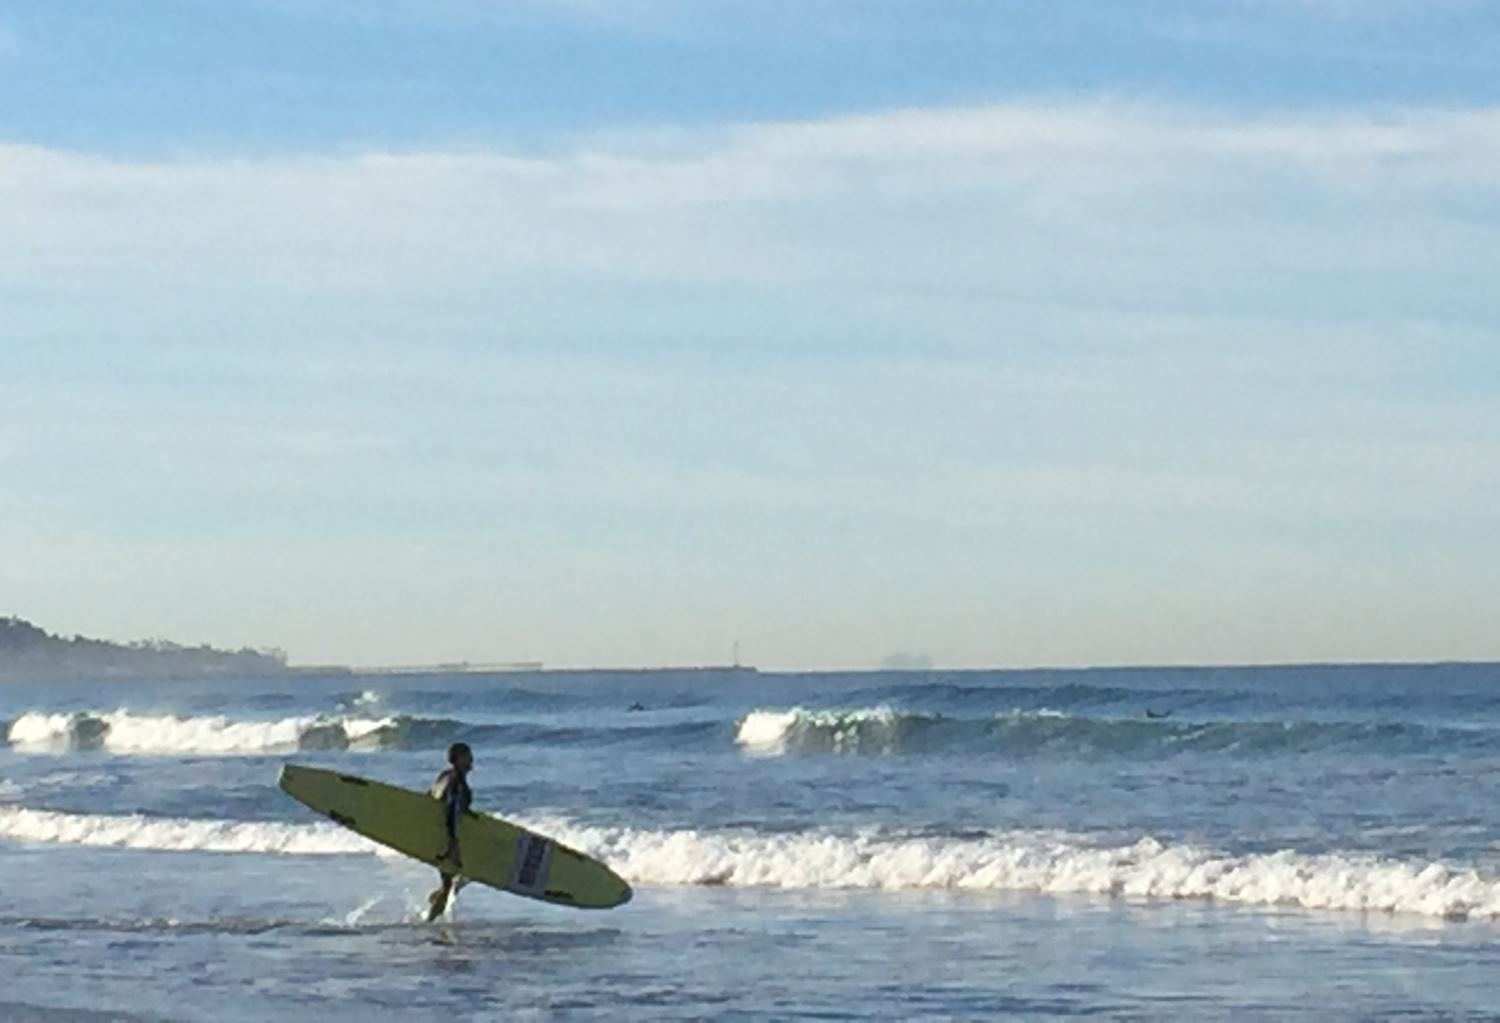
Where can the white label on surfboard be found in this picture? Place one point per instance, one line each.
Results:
(533, 863)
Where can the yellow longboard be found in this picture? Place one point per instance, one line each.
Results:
(495, 852)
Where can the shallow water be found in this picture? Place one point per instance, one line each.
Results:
(1315, 843)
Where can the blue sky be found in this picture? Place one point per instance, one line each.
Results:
(613, 333)
(280, 75)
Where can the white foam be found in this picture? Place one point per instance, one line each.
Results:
(39, 729)
(180, 834)
(1014, 861)
(766, 730)
(774, 731)
(1022, 861)
(124, 732)
(129, 733)
(10, 792)
(363, 728)
(1040, 712)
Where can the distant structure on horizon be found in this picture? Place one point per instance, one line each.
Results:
(29, 653)
(451, 668)
(467, 668)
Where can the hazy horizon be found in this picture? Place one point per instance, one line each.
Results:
(897, 663)
(994, 335)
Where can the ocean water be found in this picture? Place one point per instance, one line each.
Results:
(1279, 843)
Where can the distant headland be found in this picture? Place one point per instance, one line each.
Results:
(30, 653)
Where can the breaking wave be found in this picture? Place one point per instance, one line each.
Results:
(1031, 862)
(884, 730)
(365, 699)
(878, 730)
(874, 730)
(125, 732)
(1011, 861)
(179, 834)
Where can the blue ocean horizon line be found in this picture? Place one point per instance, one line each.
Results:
(1225, 668)
(752, 669)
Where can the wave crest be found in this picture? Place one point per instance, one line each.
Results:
(124, 732)
(1030, 862)
(179, 834)
(871, 730)
(1016, 861)
(1046, 732)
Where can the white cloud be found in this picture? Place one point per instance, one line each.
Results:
(1008, 197)
(944, 357)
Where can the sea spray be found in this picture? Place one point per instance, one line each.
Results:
(1045, 731)
(1015, 861)
(1036, 862)
(125, 732)
(138, 831)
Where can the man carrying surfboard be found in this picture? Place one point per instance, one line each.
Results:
(495, 852)
(452, 788)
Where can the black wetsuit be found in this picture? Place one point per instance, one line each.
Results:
(453, 789)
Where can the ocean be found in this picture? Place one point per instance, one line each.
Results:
(1216, 843)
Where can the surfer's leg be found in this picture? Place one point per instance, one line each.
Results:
(438, 900)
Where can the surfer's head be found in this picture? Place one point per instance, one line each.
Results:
(460, 756)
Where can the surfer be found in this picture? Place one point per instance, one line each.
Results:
(452, 788)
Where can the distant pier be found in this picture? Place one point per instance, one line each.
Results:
(452, 668)
(501, 667)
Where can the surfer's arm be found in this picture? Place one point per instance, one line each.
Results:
(452, 813)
